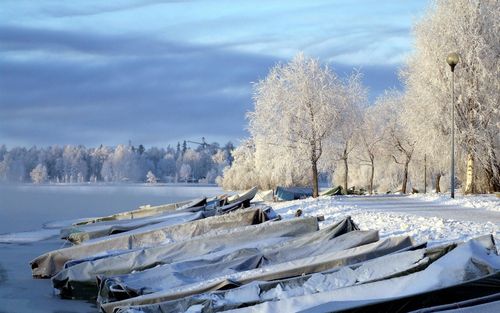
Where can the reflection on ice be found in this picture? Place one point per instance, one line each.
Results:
(29, 236)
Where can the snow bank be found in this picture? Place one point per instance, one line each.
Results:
(434, 230)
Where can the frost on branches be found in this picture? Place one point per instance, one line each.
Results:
(307, 120)
(470, 28)
(123, 163)
(39, 174)
(151, 178)
(300, 108)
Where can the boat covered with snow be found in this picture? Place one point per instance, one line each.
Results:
(78, 278)
(52, 262)
(292, 193)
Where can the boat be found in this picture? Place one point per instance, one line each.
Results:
(282, 270)
(334, 191)
(292, 193)
(265, 195)
(245, 195)
(50, 263)
(79, 234)
(144, 211)
(251, 257)
(417, 279)
(78, 279)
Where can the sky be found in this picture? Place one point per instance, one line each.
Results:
(157, 72)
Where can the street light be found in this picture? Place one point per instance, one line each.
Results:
(452, 60)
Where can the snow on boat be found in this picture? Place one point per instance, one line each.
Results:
(463, 269)
(79, 234)
(52, 262)
(174, 275)
(391, 265)
(79, 280)
(264, 195)
(292, 193)
(145, 211)
(295, 267)
(398, 282)
(246, 195)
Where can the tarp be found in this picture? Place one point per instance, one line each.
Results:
(245, 195)
(50, 263)
(334, 191)
(145, 211)
(264, 195)
(79, 234)
(215, 265)
(469, 261)
(392, 265)
(483, 286)
(80, 280)
(278, 271)
(292, 193)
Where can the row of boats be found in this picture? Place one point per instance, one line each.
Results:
(228, 254)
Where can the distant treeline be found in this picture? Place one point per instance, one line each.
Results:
(123, 163)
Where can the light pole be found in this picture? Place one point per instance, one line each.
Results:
(452, 60)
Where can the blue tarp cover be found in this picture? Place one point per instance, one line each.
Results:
(293, 193)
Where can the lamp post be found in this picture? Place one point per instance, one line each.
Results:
(452, 60)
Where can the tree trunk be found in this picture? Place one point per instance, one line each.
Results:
(469, 181)
(405, 177)
(371, 177)
(438, 178)
(314, 168)
(346, 174)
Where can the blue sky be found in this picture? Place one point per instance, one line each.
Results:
(157, 72)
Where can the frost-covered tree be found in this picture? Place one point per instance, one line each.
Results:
(221, 159)
(398, 142)
(71, 164)
(242, 174)
(13, 167)
(370, 139)
(297, 107)
(355, 98)
(151, 178)
(471, 28)
(39, 174)
(75, 166)
(166, 167)
(185, 172)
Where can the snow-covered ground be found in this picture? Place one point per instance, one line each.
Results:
(486, 202)
(432, 218)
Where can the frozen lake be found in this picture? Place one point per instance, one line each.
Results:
(29, 207)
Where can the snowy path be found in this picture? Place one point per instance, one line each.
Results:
(431, 218)
(427, 207)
